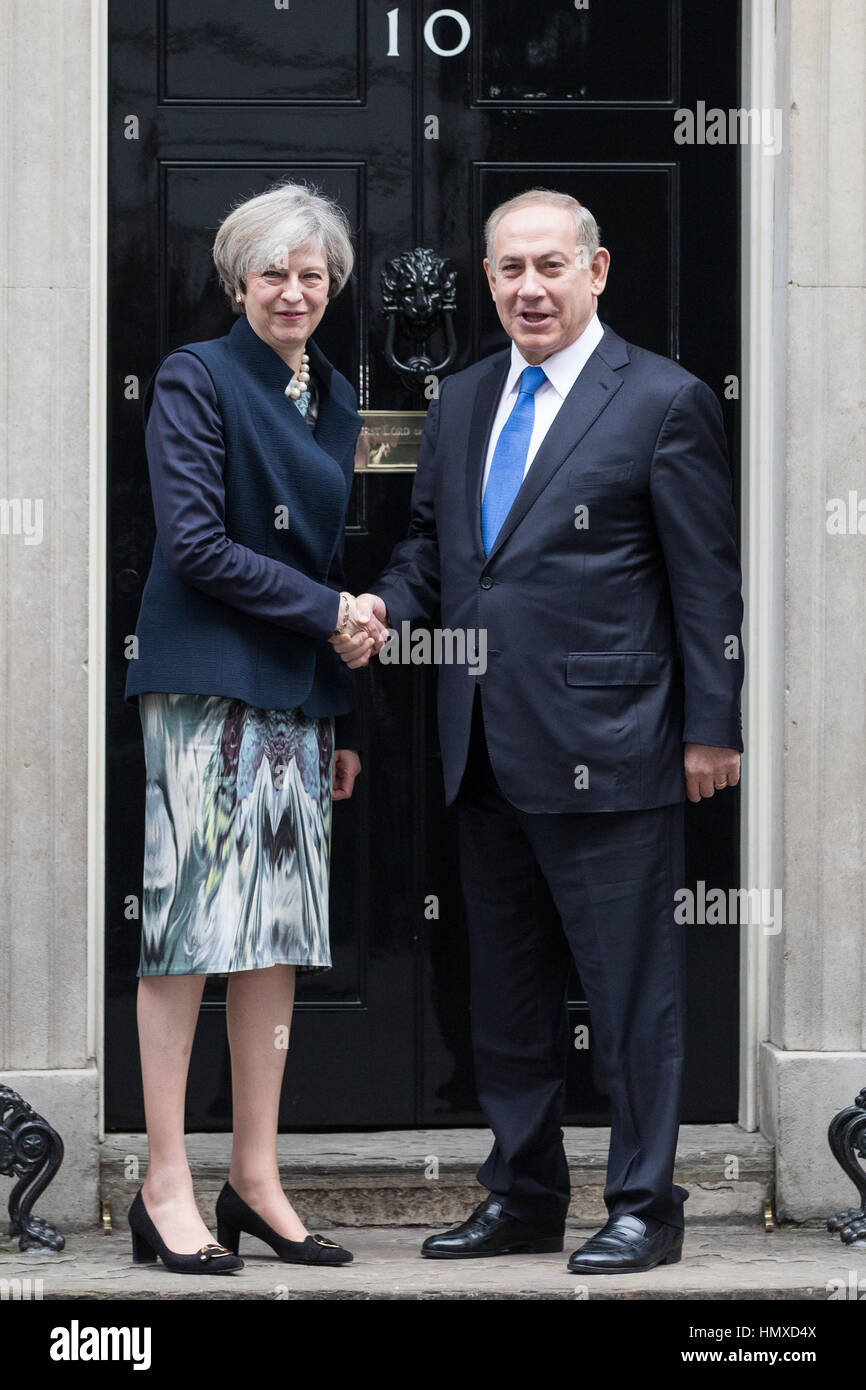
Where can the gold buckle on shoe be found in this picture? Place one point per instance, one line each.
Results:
(329, 1244)
(213, 1251)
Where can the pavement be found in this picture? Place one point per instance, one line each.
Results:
(380, 1193)
(719, 1262)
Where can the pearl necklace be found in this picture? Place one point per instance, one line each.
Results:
(300, 384)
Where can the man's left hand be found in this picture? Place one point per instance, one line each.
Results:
(709, 770)
(347, 765)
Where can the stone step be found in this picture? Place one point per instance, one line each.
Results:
(426, 1177)
(718, 1263)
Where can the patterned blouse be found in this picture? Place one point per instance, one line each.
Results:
(308, 403)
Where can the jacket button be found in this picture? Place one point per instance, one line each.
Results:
(486, 582)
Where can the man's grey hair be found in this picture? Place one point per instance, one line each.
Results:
(585, 225)
(264, 231)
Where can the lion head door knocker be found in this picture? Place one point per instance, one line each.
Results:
(419, 300)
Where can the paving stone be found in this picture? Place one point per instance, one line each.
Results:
(719, 1262)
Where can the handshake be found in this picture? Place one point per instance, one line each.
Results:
(362, 628)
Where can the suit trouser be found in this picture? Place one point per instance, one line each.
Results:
(598, 886)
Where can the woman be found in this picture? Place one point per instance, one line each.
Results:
(250, 444)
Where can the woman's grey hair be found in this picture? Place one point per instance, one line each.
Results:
(585, 226)
(264, 231)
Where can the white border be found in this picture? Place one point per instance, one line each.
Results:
(96, 727)
(762, 397)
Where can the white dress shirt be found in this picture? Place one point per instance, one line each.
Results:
(562, 370)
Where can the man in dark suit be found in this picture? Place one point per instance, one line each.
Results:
(573, 500)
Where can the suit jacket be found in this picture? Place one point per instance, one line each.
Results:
(610, 599)
(234, 604)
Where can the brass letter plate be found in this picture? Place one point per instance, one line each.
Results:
(390, 441)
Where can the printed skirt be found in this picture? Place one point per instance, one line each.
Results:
(237, 836)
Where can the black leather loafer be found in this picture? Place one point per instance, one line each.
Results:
(490, 1231)
(622, 1246)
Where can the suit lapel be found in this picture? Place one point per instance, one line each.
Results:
(483, 414)
(590, 395)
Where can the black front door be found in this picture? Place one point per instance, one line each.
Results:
(419, 120)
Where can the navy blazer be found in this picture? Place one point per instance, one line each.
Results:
(250, 507)
(613, 634)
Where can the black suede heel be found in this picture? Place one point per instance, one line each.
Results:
(147, 1244)
(235, 1215)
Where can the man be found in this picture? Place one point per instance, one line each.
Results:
(573, 498)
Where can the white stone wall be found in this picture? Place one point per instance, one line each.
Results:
(815, 1061)
(45, 1028)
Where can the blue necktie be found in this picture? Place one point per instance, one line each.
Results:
(509, 458)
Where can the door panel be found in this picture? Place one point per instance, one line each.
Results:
(214, 51)
(228, 99)
(532, 55)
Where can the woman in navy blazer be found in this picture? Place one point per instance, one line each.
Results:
(250, 445)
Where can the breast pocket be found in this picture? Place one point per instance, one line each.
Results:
(601, 477)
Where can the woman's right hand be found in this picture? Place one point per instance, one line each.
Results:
(363, 631)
